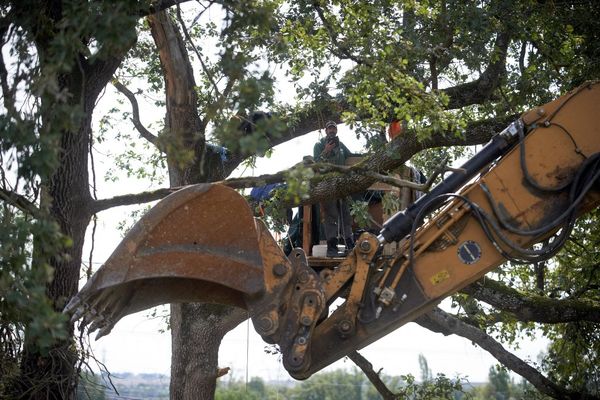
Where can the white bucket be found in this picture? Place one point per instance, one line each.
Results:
(320, 250)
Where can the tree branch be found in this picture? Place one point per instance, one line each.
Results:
(157, 6)
(342, 50)
(482, 88)
(242, 183)
(189, 39)
(324, 168)
(531, 307)
(255, 181)
(367, 368)
(312, 118)
(440, 54)
(129, 199)
(20, 202)
(557, 66)
(444, 323)
(522, 55)
(390, 157)
(145, 133)
(388, 179)
(299, 123)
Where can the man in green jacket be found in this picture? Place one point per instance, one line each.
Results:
(335, 212)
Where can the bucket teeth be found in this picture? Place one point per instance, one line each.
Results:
(73, 307)
(104, 331)
(90, 315)
(97, 323)
(79, 311)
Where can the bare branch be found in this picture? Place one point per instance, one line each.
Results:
(391, 180)
(189, 39)
(145, 133)
(254, 181)
(129, 199)
(206, 7)
(324, 168)
(522, 55)
(246, 182)
(367, 368)
(20, 202)
(439, 321)
(531, 307)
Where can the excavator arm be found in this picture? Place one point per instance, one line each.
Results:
(526, 186)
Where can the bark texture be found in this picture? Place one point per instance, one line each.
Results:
(197, 331)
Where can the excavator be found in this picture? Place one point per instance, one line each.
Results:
(516, 200)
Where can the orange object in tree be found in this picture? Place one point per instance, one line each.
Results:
(395, 129)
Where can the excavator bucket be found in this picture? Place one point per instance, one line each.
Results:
(199, 244)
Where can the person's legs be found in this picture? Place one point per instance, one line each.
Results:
(346, 223)
(330, 222)
(330, 218)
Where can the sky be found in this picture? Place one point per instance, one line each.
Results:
(137, 345)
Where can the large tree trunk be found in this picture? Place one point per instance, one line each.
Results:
(52, 376)
(67, 197)
(196, 329)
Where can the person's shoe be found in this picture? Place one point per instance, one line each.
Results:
(332, 249)
(349, 241)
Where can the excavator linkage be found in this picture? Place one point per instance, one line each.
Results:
(528, 185)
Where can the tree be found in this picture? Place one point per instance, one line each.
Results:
(197, 329)
(61, 56)
(256, 388)
(500, 383)
(456, 73)
(332, 385)
(426, 374)
(55, 73)
(91, 387)
(405, 386)
(501, 386)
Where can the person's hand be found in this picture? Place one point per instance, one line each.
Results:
(329, 146)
